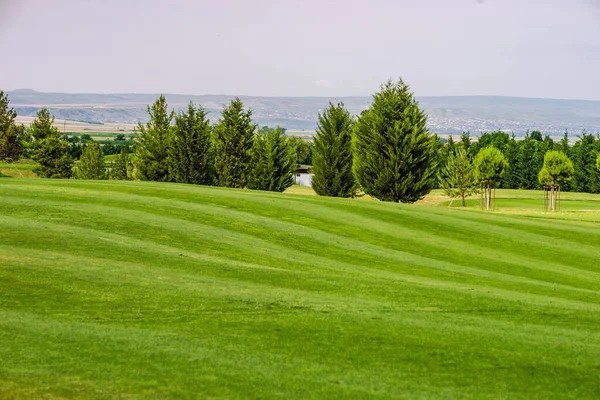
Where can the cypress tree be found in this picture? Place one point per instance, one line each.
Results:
(273, 162)
(91, 165)
(151, 157)
(232, 141)
(121, 165)
(189, 152)
(394, 156)
(332, 156)
(528, 171)
(584, 157)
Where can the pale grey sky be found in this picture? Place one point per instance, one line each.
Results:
(533, 48)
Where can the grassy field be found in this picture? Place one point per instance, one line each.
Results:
(19, 169)
(137, 290)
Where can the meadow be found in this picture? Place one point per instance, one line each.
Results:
(142, 290)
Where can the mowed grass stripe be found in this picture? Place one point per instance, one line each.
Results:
(171, 291)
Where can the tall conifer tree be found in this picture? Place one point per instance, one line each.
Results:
(91, 165)
(273, 162)
(394, 156)
(189, 152)
(151, 156)
(232, 140)
(332, 156)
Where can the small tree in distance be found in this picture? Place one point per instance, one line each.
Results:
(490, 166)
(121, 166)
(273, 162)
(91, 165)
(332, 157)
(557, 168)
(458, 176)
(232, 140)
(151, 158)
(12, 136)
(189, 151)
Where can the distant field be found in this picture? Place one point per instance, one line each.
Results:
(19, 169)
(141, 290)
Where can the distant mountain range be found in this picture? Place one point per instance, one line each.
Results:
(446, 114)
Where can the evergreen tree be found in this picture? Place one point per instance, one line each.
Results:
(50, 149)
(189, 152)
(332, 158)
(91, 165)
(584, 158)
(394, 156)
(12, 136)
(232, 141)
(54, 159)
(465, 142)
(490, 166)
(564, 144)
(121, 165)
(273, 162)
(458, 176)
(513, 173)
(151, 156)
(528, 170)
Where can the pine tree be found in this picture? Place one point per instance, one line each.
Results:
(527, 167)
(564, 144)
(151, 156)
(12, 136)
(232, 141)
(54, 159)
(189, 152)
(50, 149)
(394, 156)
(273, 162)
(91, 165)
(458, 176)
(332, 157)
(121, 166)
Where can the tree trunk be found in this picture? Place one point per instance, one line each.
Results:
(488, 196)
(552, 198)
(464, 203)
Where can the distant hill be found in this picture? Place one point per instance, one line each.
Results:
(447, 114)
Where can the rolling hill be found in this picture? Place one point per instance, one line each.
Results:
(447, 115)
(141, 290)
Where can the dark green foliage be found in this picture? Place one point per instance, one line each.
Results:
(511, 151)
(91, 165)
(43, 126)
(151, 156)
(586, 177)
(189, 152)
(121, 166)
(465, 142)
(53, 156)
(497, 139)
(272, 162)
(564, 144)
(50, 148)
(529, 168)
(332, 158)
(394, 156)
(232, 141)
(12, 136)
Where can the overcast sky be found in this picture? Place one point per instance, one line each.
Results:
(533, 48)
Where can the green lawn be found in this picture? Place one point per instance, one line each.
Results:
(137, 290)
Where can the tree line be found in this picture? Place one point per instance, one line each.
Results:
(386, 152)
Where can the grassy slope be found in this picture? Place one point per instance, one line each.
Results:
(146, 290)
